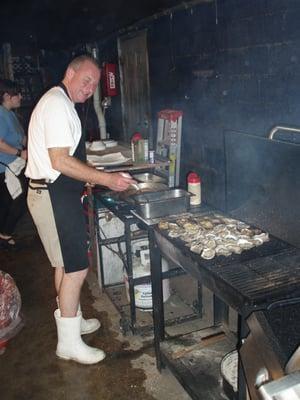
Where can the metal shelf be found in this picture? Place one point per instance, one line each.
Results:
(122, 211)
(194, 367)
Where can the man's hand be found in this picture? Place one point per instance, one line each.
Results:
(119, 181)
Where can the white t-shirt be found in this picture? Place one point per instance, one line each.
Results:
(53, 123)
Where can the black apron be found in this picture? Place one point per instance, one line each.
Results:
(65, 194)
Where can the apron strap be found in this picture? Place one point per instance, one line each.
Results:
(63, 86)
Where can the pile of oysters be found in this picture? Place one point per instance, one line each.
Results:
(213, 234)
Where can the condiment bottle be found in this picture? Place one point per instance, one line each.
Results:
(194, 187)
(136, 137)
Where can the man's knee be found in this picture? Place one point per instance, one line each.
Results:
(77, 276)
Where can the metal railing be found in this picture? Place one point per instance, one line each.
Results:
(282, 128)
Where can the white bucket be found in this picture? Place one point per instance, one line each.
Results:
(143, 292)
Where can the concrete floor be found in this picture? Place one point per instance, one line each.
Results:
(29, 368)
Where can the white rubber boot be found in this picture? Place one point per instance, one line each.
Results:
(87, 325)
(70, 346)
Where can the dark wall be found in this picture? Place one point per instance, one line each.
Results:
(237, 69)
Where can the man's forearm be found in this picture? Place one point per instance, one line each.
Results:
(76, 169)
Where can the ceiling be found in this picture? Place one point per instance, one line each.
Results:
(54, 24)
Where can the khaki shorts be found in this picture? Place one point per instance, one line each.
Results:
(40, 207)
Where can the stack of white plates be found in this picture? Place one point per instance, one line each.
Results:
(110, 143)
(97, 145)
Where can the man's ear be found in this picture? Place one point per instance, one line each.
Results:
(70, 73)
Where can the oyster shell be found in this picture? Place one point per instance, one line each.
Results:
(163, 225)
(222, 250)
(175, 233)
(264, 236)
(208, 254)
(210, 244)
(206, 224)
(245, 244)
(197, 248)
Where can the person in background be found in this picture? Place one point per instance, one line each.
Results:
(58, 172)
(12, 152)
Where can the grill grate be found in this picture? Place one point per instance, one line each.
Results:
(264, 278)
(256, 277)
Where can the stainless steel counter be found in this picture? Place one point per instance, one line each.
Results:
(129, 165)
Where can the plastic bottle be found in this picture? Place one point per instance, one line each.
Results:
(146, 150)
(194, 187)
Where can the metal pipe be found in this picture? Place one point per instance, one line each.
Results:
(283, 128)
(97, 106)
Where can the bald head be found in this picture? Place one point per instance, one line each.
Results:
(82, 78)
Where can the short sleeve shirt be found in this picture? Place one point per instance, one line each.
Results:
(53, 123)
(11, 132)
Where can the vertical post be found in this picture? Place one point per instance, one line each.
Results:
(98, 250)
(200, 300)
(243, 331)
(157, 296)
(130, 273)
(220, 311)
(7, 61)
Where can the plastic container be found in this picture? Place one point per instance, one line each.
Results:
(152, 157)
(143, 292)
(146, 150)
(194, 187)
(141, 151)
(136, 137)
(229, 373)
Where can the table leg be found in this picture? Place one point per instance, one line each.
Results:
(243, 331)
(130, 275)
(157, 297)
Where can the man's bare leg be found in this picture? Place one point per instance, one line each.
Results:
(69, 293)
(58, 276)
(87, 325)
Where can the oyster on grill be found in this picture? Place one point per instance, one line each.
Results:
(197, 248)
(163, 225)
(214, 234)
(206, 224)
(245, 244)
(222, 250)
(208, 254)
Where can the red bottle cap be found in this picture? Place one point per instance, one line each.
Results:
(193, 178)
(136, 136)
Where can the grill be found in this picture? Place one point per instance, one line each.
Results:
(256, 277)
(253, 281)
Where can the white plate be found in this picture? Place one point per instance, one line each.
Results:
(110, 143)
(107, 159)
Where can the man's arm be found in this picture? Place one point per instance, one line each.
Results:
(74, 168)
